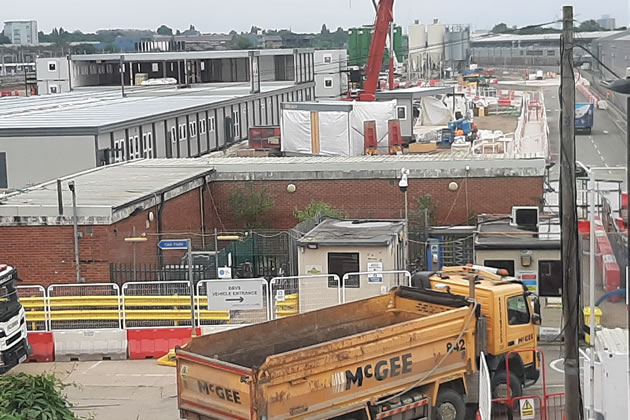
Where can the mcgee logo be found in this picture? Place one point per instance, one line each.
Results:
(383, 369)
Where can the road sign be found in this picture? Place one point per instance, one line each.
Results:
(485, 393)
(528, 412)
(236, 295)
(173, 244)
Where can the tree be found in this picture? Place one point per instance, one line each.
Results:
(33, 397)
(318, 207)
(4, 39)
(324, 30)
(254, 30)
(242, 43)
(424, 203)
(589, 26)
(250, 207)
(500, 28)
(164, 30)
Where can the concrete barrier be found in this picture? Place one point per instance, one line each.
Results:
(82, 345)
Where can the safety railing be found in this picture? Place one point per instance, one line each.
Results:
(361, 285)
(238, 307)
(33, 299)
(297, 294)
(83, 306)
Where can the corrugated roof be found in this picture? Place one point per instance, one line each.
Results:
(333, 232)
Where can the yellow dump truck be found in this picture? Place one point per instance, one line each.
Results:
(402, 355)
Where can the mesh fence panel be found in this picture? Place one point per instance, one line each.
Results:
(84, 306)
(156, 304)
(206, 314)
(356, 286)
(33, 299)
(298, 294)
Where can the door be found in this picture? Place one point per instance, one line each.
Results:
(520, 332)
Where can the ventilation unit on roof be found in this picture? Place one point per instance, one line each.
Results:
(525, 217)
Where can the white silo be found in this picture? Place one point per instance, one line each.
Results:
(435, 42)
(417, 45)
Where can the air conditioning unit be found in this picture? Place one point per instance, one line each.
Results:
(525, 217)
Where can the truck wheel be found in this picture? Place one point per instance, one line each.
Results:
(450, 405)
(499, 385)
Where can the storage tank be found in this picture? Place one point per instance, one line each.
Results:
(435, 41)
(417, 44)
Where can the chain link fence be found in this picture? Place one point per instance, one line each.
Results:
(298, 294)
(84, 306)
(357, 286)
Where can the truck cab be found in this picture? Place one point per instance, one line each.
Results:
(14, 348)
(512, 315)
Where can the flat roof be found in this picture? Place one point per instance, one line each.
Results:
(501, 235)
(414, 92)
(90, 111)
(181, 55)
(104, 195)
(334, 232)
(539, 37)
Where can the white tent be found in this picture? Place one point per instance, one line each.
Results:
(333, 128)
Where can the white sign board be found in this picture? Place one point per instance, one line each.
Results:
(528, 412)
(235, 295)
(375, 267)
(485, 392)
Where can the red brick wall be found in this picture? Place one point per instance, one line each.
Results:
(45, 254)
(383, 199)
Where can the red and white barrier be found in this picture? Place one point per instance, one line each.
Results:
(155, 343)
(43, 347)
(606, 261)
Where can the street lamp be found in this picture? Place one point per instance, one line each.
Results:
(623, 86)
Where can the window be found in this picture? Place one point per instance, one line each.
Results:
(328, 82)
(182, 132)
(173, 135)
(551, 53)
(518, 310)
(155, 67)
(192, 129)
(401, 112)
(203, 65)
(52, 66)
(236, 118)
(211, 125)
(134, 147)
(53, 89)
(147, 145)
(550, 278)
(506, 264)
(340, 263)
(203, 124)
(327, 58)
(119, 150)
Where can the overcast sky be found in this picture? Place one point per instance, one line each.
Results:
(299, 15)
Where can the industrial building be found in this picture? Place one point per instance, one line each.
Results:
(331, 73)
(538, 50)
(22, 32)
(614, 51)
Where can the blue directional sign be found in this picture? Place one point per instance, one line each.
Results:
(173, 244)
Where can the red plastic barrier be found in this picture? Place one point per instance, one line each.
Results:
(584, 227)
(43, 347)
(606, 261)
(155, 343)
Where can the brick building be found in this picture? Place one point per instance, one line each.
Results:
(179, 198)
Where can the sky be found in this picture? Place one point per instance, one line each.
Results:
(298, 15)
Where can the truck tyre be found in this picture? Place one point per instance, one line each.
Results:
(450, 405)
(499, 385)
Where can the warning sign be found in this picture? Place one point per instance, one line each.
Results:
(527, 409)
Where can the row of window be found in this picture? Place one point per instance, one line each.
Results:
(204, 126)
(136, 150)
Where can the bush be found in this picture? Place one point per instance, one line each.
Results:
(250, 207)
(316, 207)
(33, 397)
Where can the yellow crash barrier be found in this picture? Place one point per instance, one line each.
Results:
(290, 306)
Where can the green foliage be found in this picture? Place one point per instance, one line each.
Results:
(318, 207)
(4, 39)
(589, 26)
(250, 206)
(33, 397)
(242, 43)
(500, 28)
(164, 30)
(423, 203)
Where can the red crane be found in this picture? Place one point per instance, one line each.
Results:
(384, 17)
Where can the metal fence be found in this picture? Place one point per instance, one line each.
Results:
(297, 294)
(33, 299)
(124, 273)
(156, 304)
(83, 306)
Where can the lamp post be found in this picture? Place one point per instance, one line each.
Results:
(623, 86)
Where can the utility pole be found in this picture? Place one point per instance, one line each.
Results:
(122, 75)
(570, 275)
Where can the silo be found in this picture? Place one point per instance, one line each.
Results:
(435, 41)
(417, 44)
